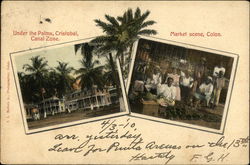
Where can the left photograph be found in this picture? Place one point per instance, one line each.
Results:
(68, 84)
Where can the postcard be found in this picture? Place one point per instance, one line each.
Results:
(124, 82)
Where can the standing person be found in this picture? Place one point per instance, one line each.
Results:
(219, 84)
(91, 107)
(139, 79)
(219, 68)
(68, 110)
(156, 80)
(165, 76)
(201, 71)
(195, 85)
(193, 89)
(218, 73)
(186, 82)
(205, 92)
(176, 83)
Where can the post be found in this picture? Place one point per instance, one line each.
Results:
(45, 115)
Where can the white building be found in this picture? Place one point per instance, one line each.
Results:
(52, 105)
(86, 99)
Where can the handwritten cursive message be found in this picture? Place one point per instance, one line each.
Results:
(116, 136)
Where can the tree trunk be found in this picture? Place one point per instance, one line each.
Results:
(129, 57)
(122, 62)
(115, 75)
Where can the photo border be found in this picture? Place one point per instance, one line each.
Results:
(67, 124)
(195, 47)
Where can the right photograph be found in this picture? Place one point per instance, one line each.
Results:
(181, 84)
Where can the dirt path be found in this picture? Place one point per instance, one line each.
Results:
(69, 117)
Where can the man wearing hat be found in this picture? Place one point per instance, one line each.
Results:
(205, 91)
(200, 71)
(219, 84)
(219, 81)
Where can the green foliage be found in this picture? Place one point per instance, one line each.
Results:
(149, 96)
(39, 77)
(108, 75)
(29, 88)
(121, 32)
(119, 35)
(38, 69)
(90, 73)
(64, 80)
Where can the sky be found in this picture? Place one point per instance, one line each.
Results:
(62, 54)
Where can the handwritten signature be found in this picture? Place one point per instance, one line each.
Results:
(211, 157)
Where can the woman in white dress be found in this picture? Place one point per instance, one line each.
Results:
(186, 82)
(176, 77)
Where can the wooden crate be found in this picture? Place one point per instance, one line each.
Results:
(150, 108)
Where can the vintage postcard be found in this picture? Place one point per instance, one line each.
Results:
(124, 82)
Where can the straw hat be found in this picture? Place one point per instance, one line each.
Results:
(210, 78)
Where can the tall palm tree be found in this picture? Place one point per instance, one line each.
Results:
(108, 75)
(38, 69)
(89, 74)
(52, 83)
(121, 33)
(65, 79)
(135, 24)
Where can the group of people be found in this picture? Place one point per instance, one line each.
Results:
(190, 87)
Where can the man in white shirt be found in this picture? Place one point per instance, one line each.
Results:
(218, 69)
(205, 91)
(156, 78)
(219, 84)
(218, 75)
(168, 93)
(152, 84)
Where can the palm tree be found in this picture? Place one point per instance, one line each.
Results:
(108, 75)
(65, 79)
(38, 69)
(52, 83)
(89, 74)
(135, 25)
(121, 33)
